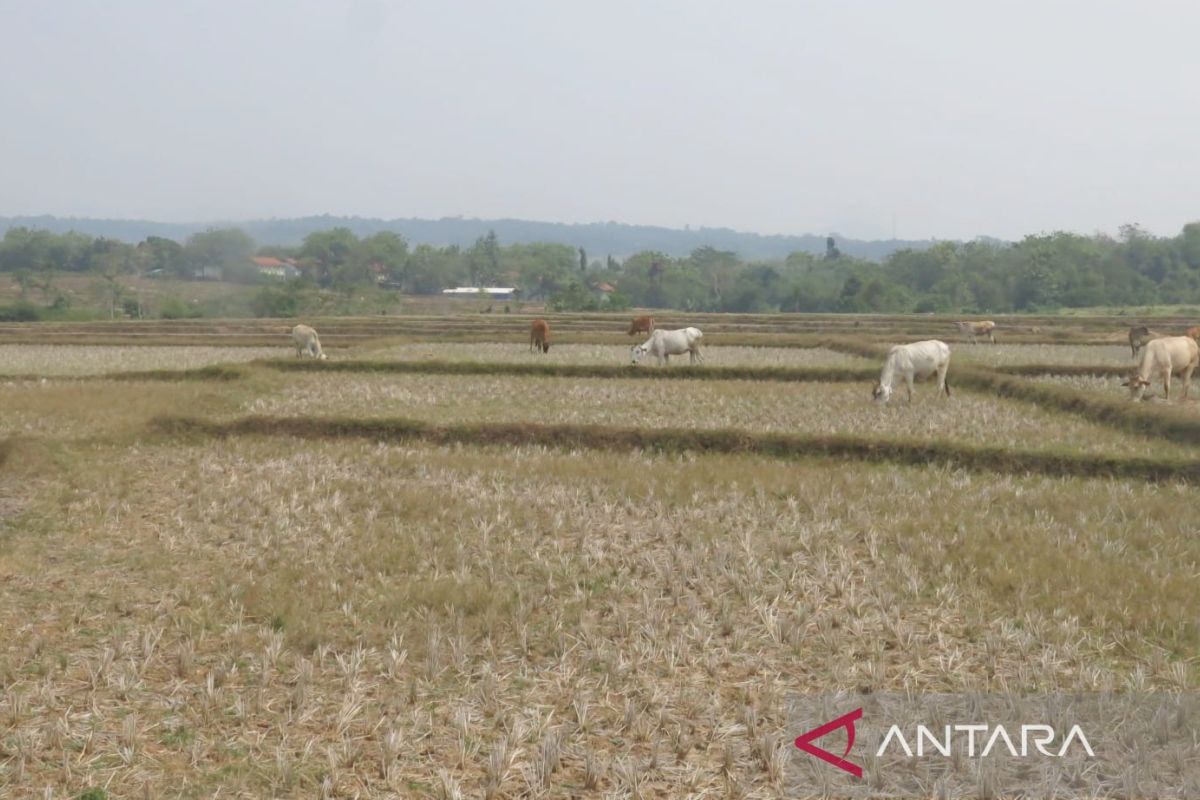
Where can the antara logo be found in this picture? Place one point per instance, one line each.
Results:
(805, 742)
(992, 738)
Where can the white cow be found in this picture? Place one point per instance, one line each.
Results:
(1162, 357)
(307, 343)
(914, 361)
(664, 344)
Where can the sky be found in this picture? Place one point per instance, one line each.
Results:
(943, 119)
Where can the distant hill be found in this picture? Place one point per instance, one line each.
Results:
(600, 239)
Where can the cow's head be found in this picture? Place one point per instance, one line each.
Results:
(636, 352)
(1137, 386)
(545, 347)
(881, 393)
(322, 355)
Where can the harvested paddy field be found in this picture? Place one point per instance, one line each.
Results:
(292, 617)
(1063, 355)
(800, 408)
(331, 581)
(612, 354)
(74, 360)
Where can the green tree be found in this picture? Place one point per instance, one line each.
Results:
(384, 253)
(542, 269)
(429, 269)
(112, 267)
(575, 297)
(226, 249)
(1036, 287)
(483, 260)
(325, 254)
(25, 281)
(1189, 245)
(168, 255)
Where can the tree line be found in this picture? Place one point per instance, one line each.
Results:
(595, 237)
(1038, 273)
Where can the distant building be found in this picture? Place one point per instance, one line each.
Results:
(209, 272)
(379, 272)
(282, 268)
(491, 292)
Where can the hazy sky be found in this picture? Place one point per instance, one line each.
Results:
(953, 118)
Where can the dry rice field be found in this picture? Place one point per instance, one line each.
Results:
(612, 354)
(352, 612)
(1062, 355)
(67, 360)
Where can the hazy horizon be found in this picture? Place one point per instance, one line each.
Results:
(929, 120)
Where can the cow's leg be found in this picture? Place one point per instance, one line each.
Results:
(941, 378)
(1187, 381)
(1167, 384)
(908, 383)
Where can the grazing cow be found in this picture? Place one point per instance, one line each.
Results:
(976, 329)
(1178, 354)
(1138, 336)
(641, 325)
(1194, 332)
(307, 343)
(664, 344)
(539, 336)
(914, 361)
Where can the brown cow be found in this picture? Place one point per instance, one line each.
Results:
(1194, 332)
(976, 329)
(641, 325)
(539, 336)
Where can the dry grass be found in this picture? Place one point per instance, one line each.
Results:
(65, 360)
(1059, 354)
(102, 408)
(814, 408)
(334, 619)
(265, 616)
(609, 354)
(1109, 386)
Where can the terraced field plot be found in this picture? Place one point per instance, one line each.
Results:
(1051, 354)
(612, 355)
(70, 360)
(781, 407)
(1110, 386)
